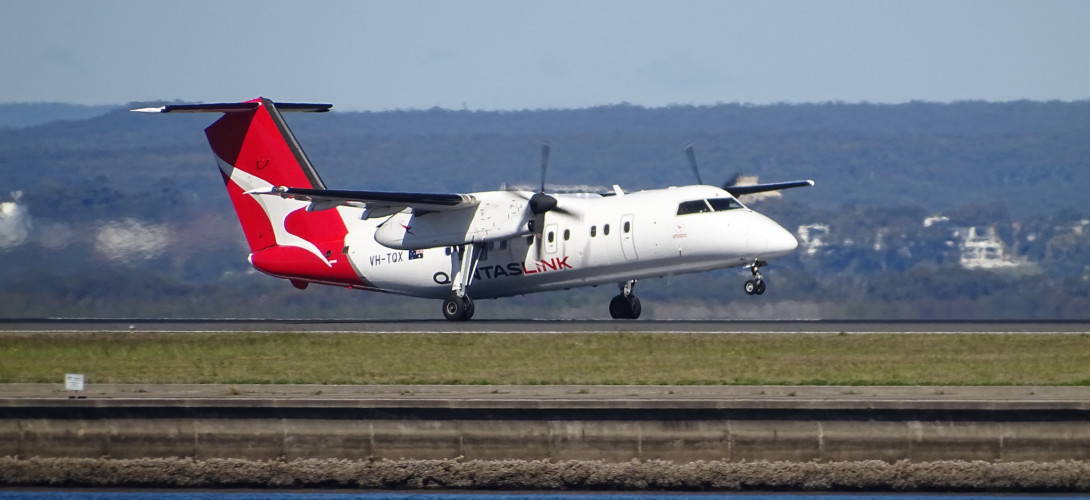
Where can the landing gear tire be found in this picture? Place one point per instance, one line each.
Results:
(755, 287)
(622, 307)
(634, 307)
(458, 308)
(617, 307)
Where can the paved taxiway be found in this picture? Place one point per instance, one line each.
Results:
(542, 326)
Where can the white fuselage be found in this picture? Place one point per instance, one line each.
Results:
(606, 239)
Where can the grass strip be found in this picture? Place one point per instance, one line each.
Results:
(514, 358)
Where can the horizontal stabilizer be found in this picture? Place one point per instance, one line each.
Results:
(235, 107)
(760, 188)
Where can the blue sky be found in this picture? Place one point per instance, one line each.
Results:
(543, 54)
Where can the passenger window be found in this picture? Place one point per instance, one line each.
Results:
(720, 204)
(567, 234)
(550, 236)
(627, 226)
(593, 231)
(605, 230)
(447, 251)
(491, 245)
(503, 245)
(692, 207)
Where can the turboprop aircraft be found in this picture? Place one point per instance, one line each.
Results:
(463, 246)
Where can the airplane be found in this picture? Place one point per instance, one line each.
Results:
(458, 247)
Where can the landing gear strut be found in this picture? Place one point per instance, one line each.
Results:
(459, 307)
(756, 286)
(626, 305)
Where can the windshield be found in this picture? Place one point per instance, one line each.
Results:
(693, 207)
(719, 204)
(703, 206)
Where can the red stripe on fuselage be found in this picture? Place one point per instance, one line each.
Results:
(295, 262)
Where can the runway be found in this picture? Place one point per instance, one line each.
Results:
(84, 325)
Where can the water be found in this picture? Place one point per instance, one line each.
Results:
(111, 495)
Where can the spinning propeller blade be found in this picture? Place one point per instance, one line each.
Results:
(541, 202)
(545, 148)
(692, 163)
(691, 154)
(733, 181)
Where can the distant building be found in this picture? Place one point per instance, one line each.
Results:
(983, 249)
(811, 237)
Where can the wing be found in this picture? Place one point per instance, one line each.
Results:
(375, 203)
(760, 188)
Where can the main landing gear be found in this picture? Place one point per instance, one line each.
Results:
(459, 307)
(626, 305)
(756, 286)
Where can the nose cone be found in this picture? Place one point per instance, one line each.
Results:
(779, 240)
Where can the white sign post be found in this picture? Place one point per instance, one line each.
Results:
(73, 382)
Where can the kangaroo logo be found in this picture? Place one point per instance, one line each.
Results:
(276, 209)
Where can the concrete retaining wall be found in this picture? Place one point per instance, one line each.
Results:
(613, 431)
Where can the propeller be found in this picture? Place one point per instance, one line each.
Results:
(691, 154)
(541, 203)
(732, 187)
(733, 181)
(545, 149)
(692, 162)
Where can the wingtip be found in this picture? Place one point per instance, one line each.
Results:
(149, 110)
(810, 182)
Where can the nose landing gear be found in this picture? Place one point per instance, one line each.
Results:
(756, 286)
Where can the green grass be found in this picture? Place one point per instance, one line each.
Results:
(237, 358)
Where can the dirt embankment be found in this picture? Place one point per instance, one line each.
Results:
(873, 475)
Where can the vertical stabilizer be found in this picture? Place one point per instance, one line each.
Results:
(256, 151)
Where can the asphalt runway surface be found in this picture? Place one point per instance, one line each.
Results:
(540, 326)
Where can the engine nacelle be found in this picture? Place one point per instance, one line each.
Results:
(500, 215)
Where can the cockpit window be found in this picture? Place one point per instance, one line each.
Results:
(703, 206)
(693, 207)
(720, 204)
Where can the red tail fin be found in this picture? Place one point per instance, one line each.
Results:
(256, 151)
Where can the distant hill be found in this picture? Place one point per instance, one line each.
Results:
(1032, 157)
(26, 114)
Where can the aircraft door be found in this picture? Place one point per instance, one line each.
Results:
(550, 235)
(628, 244)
